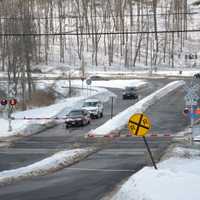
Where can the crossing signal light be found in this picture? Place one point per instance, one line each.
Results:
(4, 102)
(13, 102)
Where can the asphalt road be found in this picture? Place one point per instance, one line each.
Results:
(95, 176)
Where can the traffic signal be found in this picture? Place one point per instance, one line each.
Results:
(13, 102)
(4, 102)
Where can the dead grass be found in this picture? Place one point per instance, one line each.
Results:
(39, 98)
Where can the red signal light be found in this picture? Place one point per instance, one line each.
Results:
(13, 102)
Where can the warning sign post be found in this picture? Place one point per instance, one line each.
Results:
(139, 125)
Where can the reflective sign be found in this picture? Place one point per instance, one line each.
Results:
(139, 124)
(89, 81)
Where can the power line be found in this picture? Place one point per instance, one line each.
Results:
(98, 33)
(106, 16)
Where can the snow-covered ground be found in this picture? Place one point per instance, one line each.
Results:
(116, 123)
(51, 164)
(178, 177)
(121, 84)
(165, 72)
(140, 71)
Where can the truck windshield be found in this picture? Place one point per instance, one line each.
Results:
(90, 104)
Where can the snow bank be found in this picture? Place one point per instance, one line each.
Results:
(176, 178)
(49, 165)
(121, 84)
(120, 120)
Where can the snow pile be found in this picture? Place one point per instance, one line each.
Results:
(56, 162)
(120, 120)
(176, 178)
(17, 127)
(121, 84)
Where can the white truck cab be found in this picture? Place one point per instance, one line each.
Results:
(94, 107)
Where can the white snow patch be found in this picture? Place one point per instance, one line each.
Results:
(121, 84)
(176, 178)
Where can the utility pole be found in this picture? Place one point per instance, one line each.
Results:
(70, 84)
(9, 106)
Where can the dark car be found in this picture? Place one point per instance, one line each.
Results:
(98, 78)
(78, 117)
(130, 93)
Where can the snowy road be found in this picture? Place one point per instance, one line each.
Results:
(85, 180)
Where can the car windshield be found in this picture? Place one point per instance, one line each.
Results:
(75, 113)
(90, 104)
(130, 88)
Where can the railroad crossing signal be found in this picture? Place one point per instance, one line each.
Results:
(13, 102)
(139, 124)
(4, 102)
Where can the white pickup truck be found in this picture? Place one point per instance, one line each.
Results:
(94, 107)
